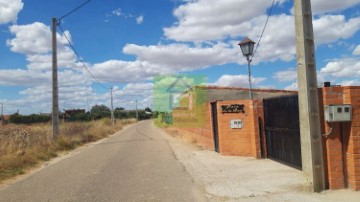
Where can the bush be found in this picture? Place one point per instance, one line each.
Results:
(29, 119)
(85, 117)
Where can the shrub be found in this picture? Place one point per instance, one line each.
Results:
(29, 119)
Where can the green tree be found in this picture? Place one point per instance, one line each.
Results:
(100, 111)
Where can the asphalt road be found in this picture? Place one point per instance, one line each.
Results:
(136, 164)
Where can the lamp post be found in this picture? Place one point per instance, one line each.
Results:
(247, 48)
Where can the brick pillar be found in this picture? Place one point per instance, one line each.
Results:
(352, 96)
(334, 148)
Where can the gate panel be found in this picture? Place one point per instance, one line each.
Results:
(282, 129)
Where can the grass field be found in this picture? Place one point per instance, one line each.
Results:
(24, 146)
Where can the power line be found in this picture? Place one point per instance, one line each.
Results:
(77, 8)
(78, 56)
(262, 33)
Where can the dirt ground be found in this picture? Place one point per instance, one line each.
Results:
(229, 178)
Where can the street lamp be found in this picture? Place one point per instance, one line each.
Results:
(247, 48)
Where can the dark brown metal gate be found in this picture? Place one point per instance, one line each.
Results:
(282, 130)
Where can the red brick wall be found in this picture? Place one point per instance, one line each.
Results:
(333, 145)
(203, 132)
(352, 96)
(342, 146)
(239, 142)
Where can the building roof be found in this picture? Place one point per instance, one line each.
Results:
(243, 89)
(214, 93)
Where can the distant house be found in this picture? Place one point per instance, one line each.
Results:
(73, 112)
(207, 94)
(175, 90)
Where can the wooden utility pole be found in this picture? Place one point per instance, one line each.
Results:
(310, 133)
(112, 108)
(55, 93)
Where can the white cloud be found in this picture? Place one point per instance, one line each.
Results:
(212, 19)
(9, 10)
(238, 81)
(140, 19)
(292, 86)
(34, 38)
(331, 28)
(291, 75)
(338, 68)
(287, 75)
(34, 41)
(356, 50)
(354, 82)
(81, 96)
(325, 6)
(117, 12)
(278, 42)
(181, 57)
(30, 39)
(126, 96)
(117, 71)
(74, 91)
(20, 77)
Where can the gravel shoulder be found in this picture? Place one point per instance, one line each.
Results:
(229, 178)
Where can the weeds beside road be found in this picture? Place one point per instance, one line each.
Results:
(24, 146)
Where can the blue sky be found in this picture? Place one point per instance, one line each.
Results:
(126, 43)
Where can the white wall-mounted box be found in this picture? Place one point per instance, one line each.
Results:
(337, 113)
(237, 123)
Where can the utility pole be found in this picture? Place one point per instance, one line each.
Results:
(2, 113)
(55, 94)
(112, 108)
(137, 115)
(310, 137)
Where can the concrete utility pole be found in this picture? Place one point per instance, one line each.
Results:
(112, 108)
(55, 94)
(2, 113)
(311, 143)
(137, 115)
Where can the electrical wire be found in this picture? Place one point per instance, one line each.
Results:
(262, 33)
(82, 62)
(77, 8)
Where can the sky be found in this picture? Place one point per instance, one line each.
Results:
(125, 44)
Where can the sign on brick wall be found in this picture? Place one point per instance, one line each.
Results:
(234, 108)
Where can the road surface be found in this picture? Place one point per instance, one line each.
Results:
(137, 164)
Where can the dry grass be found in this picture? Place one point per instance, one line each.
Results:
(23, 146)
(181, 135)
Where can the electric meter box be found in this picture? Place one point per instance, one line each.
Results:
(338, 113)
(236, 123)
